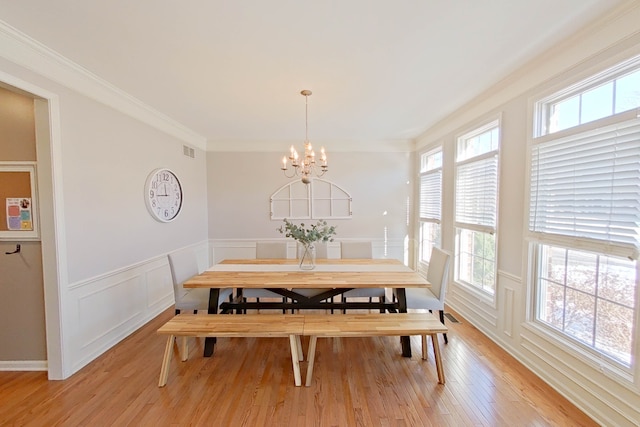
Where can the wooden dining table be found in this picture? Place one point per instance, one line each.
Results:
(284, 277)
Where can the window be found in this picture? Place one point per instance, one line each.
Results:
(476, 207)
(611, 92)
(430, 202)
(320, 199)
(589, 297)
(584, 214)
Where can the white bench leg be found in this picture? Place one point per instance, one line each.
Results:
(294, 341)
(300, 352)
(164, 370)
(311, 356)
(436, 352)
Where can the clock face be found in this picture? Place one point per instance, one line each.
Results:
(163, 195)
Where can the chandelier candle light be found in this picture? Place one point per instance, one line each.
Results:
(305, 167)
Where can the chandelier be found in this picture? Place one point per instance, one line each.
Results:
(306, 166)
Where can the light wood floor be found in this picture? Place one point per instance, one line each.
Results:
(357, 382)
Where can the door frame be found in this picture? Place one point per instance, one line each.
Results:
(50, 200)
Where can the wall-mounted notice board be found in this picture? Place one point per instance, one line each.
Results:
(18, 197)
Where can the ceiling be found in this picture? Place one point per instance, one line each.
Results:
(232, 70)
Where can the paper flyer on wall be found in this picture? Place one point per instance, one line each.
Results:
(19, 213)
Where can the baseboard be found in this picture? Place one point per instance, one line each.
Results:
(23, 365)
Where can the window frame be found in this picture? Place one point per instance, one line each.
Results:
(536, 241)
(481, 127)
(436, 220)
(296, 200)
(543, 104)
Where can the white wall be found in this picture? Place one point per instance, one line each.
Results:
(240, 184)
(603, 395)
(110, 273)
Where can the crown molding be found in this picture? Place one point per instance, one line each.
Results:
(567, 55)
(27, 52)
(383, 146)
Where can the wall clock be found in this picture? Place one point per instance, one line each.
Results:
(163, 195)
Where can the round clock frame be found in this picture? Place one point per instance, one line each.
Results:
(163, 195)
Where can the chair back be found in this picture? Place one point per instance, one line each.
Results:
(438, 272)
(184, 265)
(321, 250)
(355, 250)
(271, 250)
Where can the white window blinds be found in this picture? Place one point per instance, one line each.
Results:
(477, 193)
(587, 185)
(431, 195)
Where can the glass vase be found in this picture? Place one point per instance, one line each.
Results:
(307, 256)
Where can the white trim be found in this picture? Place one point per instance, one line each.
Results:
(53, 236)
(54, 240)
(23, 50)
(23, 365)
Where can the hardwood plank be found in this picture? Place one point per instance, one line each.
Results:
(357, 381)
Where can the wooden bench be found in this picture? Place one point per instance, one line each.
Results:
(227, 325)
(294, 326)
(374, 324)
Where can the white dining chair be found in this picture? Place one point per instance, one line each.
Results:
(360, 250)
(183, 266)
(432, 298)
(267, 250)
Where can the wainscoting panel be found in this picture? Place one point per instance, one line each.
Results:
(126, 302)
(471, 306)
(510, 303)
(105, 309)
(507, 311)
(589, 385)
(159, 286)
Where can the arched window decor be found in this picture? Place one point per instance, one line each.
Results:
(320, 199)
